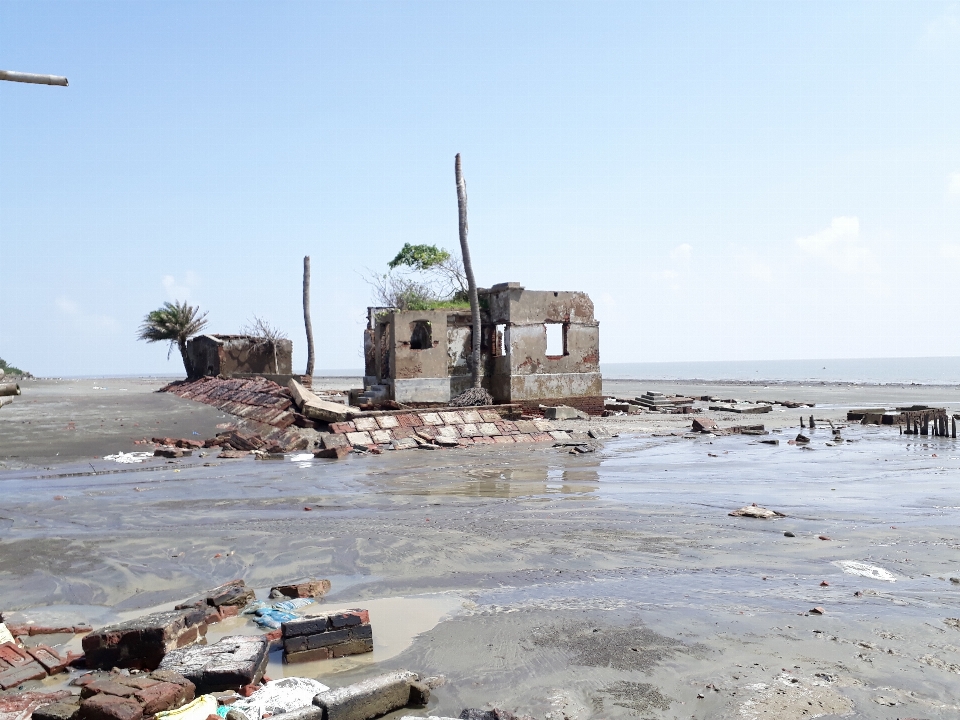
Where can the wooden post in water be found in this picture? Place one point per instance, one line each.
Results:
(812, 426)
(801, 422)
(953, 428)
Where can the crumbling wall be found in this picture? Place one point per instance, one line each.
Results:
(419, 364)
(229, 355)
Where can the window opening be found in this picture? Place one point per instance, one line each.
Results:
(421, 335)
(500, 341)
(556, 339)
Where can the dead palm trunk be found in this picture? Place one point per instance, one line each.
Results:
(468, 269)
(306, 314)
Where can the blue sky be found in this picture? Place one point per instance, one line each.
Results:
(728, 181)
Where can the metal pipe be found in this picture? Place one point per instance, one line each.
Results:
(13, 76)
(9, 388)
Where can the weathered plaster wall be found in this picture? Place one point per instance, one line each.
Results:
(231, 354)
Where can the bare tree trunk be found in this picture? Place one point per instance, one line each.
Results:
(306, 314)
(468, 269)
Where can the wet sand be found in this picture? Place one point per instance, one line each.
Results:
(612, 584)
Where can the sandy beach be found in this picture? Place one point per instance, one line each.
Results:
(609, 584)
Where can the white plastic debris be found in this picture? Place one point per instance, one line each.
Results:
(279, 696)
(853, 567)
(130, 457)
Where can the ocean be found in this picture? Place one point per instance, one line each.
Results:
(867, 371)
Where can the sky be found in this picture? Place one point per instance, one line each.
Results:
(728, 181)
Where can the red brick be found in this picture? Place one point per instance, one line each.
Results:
(14, 655)
(484, 440)
(229, 611)
(51, 630)
(409, 420)
(49, 658)
(110, 707)
(522, 438)
(21, 674)
(342, 427)
(107, 686)
(503, 439)
(162, 696)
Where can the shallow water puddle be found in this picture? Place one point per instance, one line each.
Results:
(396, 622)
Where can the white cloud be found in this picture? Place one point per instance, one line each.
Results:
(950, 251)
(945, 29)
(681, 253)
(180, 291)
(840, 247)
(953, 184)
(75, 314)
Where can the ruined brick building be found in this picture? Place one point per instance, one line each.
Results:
(537, 347)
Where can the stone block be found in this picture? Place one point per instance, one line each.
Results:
(359, 438)
(447, 431)
(542, 437)
(308, 655)
(57, 711)
(228, 664)
(488, 429)
(560, 412)
(21, 674)
(334, 453)
(168, 452)
(409, 420)
(368, 699)
(387, 422)
(452, 418)
(381, 437)
(471, 417)
(305, 626)
(559, 435)
(503, 439)
(107, 685)
(489, 415)
(468, 430)
(109, 707)
(366, 424)
(430, 419)
(404, 444)
(308, 589)
(544, 425)
(334, 441)
(162, 696)
(351, 647)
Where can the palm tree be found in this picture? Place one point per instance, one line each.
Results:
(173, 323)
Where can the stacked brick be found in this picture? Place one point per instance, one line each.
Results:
(18, 665)
(254, 399)
(321, 637)
(449, 428)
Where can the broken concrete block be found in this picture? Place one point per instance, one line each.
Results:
(140, 643)
(560, 412)
(64, 710)
(366, 424)
(308, 589)
(388, 422)
(359, 438)
(334, 441)
(704, 424)
(335, 453)
(168, 452)
(228, 664)
(368, 699)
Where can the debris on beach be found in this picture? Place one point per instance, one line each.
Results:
(230, 663)
(275, 697)
(854, 567)
(321, 637)
(818, 611)
(755, 511)
(307, 589)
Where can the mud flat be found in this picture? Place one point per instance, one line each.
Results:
(609, 584)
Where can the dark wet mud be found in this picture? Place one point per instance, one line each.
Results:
(612, 584)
